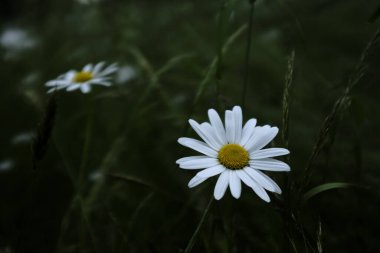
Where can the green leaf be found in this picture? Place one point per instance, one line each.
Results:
(174, 62)
(325, 187)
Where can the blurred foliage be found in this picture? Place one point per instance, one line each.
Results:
(73, 202)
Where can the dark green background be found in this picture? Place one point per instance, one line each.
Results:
(40, 210)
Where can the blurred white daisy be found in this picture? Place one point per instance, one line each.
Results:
(22, 138)
(84, 79)
(125, 74)
(6, 165)
(16, 40)
(235, 153)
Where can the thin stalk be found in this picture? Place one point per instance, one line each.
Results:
(86, 145)
(219, 59)
(248, 52)
(211, 71)
(339, 107)
(194, 237)
(87, 224)
(76, 202)
(286, 100)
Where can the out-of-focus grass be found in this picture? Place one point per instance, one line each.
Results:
(108, 181)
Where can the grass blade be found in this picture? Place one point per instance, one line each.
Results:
(286, 99)
(194, 237)
(44, 131)
(319, 238)
(212, 68)
(325, 187)
(172, 62)
(131, 179)
(248, 52)
(340, 106)
(375, 16)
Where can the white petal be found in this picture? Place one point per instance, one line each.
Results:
(57, 83)
(248, 130)
(51, 90)
(277, 188)
(56, 88)
(85, 88)
(87, 68)
(73, 87)
(263, 180)
(238, 118)
(210, 172)
(203, 133)
(230, 126)
(101, 78)
(195, 181)
(235, 184)
(211, 132)
(217, 125)
(253, 184)
(104, 83)
(98, 67)
(69, 76)
(197, 162)
(268, 152)
(109, 70)
(190, 158)
(261, 137)
(221, 185)
(269, 164)
(198, 146)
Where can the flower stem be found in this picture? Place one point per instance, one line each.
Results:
(219, 59)
(86, 144)
(193, 238)
(248, 52)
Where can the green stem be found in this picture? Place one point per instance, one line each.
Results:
(86, 145)
(248, 52)
(219, 59)
(194, 237)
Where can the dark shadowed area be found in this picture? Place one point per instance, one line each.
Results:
(96, 172)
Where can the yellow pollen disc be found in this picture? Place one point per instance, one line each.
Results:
(82, 76)
(233, 156)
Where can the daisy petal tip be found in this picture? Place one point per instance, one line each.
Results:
(265, 198)
(192, 183)
(237, 107)
(181, 140)
(217, 197)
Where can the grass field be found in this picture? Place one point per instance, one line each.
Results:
(96, 172)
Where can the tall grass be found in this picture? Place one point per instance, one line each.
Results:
(109, 156)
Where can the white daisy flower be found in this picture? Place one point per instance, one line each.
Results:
(235, 153)
(89, 75)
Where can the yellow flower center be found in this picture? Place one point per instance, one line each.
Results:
(82, 76)
(233, 156)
